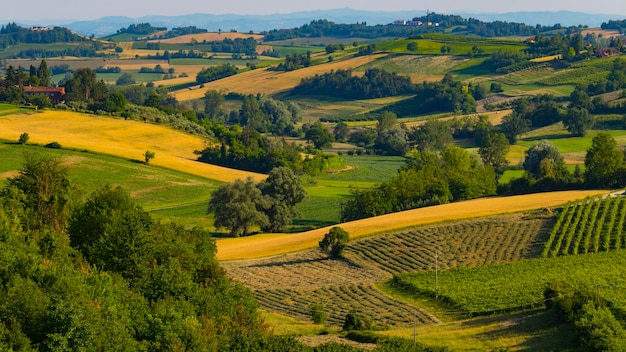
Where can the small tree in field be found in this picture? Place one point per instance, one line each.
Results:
(148, 155)
(24, 137)
(334, 242)
(318, 315)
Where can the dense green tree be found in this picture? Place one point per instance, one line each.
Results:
(392, 141)
(43, 73)
(577, 121)
(90, 221)
(386, 120)
(84, 87)
(334, 242)
(115, 102)
(251, 114)
(44, 191)
(341, 131)
(493, 151)
(320, 137)
(285, 190)
(433, 135)
(33, 80)
(213, 103)
(513, 125)
(580, 99)
(125, 79)
(544, 160)
(238, 206)
(603, 162)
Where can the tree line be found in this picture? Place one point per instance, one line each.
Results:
(471, 26)
(375, 83)
(13, 34)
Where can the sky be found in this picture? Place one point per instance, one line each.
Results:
(91, 9)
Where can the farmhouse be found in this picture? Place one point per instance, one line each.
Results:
(56, 95)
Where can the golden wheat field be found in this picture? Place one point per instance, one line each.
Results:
(269, 82)
(209, 37)
(274, 244)
(126, 139)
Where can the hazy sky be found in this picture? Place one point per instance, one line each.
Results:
(91, 9)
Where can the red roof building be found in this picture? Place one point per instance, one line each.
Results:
(56, 95)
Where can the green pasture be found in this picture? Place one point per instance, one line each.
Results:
(464, 47)
(285, 50)
(216, 61)
(110, 78)
(13, 50)
(152, 187)
(519, 285)
(533, 89)
(568, 144)
(183, 198)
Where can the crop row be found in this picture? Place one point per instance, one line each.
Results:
(518, 285)
(460, 244)
(338, 301)
(591, 225)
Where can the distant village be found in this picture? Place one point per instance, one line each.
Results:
(414, 23)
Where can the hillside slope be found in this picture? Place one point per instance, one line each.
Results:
(275, 244)
(127, 139)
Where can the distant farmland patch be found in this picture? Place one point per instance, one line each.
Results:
(209, 37)
(270, 82)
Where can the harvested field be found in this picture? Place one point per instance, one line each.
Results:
(275, 244)
(269, 82)
(338, 301)
(469, 243)
(300, 271)
(209, 37)
(605, 33)
(126, 139)
(290, 284)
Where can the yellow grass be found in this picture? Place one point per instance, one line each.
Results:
(548, 58)
(275, 244)
(126, 139)
(209, 37)
(269, 82)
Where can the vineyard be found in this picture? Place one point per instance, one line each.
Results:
(485, 241)
(290, 284)
(588, 226)
(518, 285)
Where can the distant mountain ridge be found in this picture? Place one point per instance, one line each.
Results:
(244, 23)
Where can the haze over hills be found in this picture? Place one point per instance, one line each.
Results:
(244, 23)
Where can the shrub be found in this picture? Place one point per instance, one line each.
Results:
(318, 315)
(24, 137)
(148, 155)
(357, 321)
(334, 242)
(53, 145)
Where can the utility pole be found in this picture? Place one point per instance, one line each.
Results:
(436, 276)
